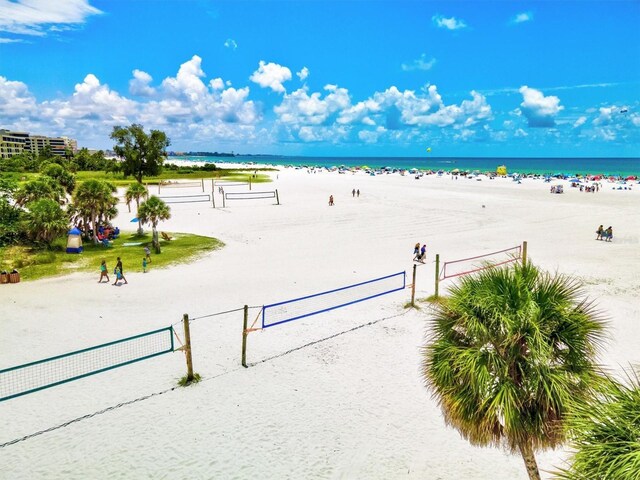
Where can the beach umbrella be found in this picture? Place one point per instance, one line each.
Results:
(574, 180)
(630, 177)
(134, 220)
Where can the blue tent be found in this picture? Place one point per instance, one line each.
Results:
(74, 241)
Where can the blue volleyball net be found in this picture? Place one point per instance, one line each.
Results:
(289, 310)
(34, 376)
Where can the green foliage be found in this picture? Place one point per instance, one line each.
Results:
(509, 350)
(45, 221)
(605, 434)
(40, 188)
(94, 201)
(183, 382)
(142, 154)
(10, 223)
(135, 192)
(56, 171)
(35, 263)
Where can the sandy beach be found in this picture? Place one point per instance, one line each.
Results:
(352, 406)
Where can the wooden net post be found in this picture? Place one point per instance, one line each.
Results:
(413, 286)
(224, 204)
(244, 336)
(437, 274)
(277, 197)
(187, 350)
(524, 253)
(249, 183)
(202, 182)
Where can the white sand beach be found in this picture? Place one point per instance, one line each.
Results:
(350, 407)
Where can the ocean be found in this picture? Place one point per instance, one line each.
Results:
(567, 166)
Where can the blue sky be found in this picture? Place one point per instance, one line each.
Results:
(329, 78)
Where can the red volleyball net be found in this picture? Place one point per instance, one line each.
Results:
(464, 266)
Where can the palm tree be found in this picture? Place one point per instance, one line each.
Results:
(509, 349)
(45, 221)
(95, 199)
(136, 191)
(42, 187)
(604, 433)
(152, 211)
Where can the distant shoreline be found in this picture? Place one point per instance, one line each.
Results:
(541, 166)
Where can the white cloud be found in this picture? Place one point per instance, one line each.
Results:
(216, 84)
(606, 115)
(539, 110)
(139, 84)
(421, 63)
(187, 83)
(520, 133)
(30, 17)
(449, 23)
(230, 43)
(522, 17)
(15, 99)
(11, 40)
(271, 75)
(300, 108)
(579, 122)
(303, 74)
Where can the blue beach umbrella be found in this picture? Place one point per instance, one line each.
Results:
(134, 220)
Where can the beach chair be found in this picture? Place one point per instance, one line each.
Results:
(166, 236)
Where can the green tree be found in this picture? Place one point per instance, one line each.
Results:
(42, 187)
(135, 192)
(153, 211)
(61, 175)
(10, 214)
(142, 154)
(509, 350)
(605, 434)
(95, 200)
(45, 221)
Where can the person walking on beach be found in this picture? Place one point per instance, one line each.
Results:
(599, 232)
(144, 264)
(147, 253)
(608, 234)
(416, 251)
(104, 271)
(423, 253)
(358, 193)
(120, 269)
(331, 200)
(353, 192)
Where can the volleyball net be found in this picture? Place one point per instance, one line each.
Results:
(34, 376)
(251, 196)
(464, 266)
(203, 197)
(290, 310)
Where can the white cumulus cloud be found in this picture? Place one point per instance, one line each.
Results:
(139, 84)
(452, 23)
(579, 122)
(230, 43)
(421, 63)
(303, 74)
(540, 111)
(522, 17)
(271, 75)
(31, 17)
(15, 99)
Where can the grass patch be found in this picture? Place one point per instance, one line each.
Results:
(408, 305)
(184, 383)
(433, 299)
(34, 264)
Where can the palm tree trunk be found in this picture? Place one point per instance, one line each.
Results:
(140, 232)
(529, 460)
(94, 218)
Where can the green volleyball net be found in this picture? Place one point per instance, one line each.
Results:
(34, 376)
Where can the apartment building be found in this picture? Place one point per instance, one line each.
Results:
(13, 143)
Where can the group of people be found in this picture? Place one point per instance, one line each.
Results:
(354, 193)
(118, 271)
(603, 234)
(419, 253)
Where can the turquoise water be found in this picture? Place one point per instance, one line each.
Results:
(568, 166)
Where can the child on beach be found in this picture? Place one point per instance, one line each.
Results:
(331, 200)
(103, 271)
(119, 277)
(144, 264)
(147, 252)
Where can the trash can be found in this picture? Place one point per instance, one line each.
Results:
(14, 277)
(4, 277)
